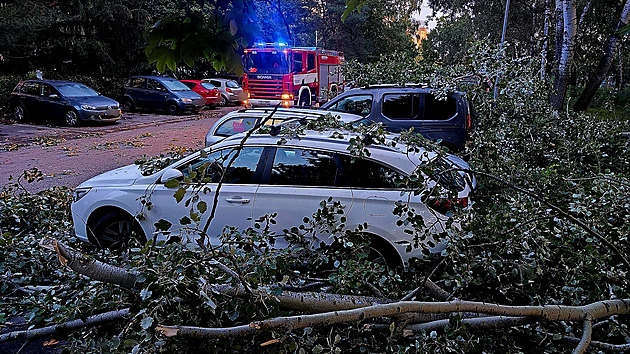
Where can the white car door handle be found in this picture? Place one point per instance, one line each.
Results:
(237, 200)
(330, 205)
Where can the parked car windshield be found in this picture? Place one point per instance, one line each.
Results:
(175, 85)
(208, 86)
(274, 62)
(75, 90)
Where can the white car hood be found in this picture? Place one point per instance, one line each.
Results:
(122, 176)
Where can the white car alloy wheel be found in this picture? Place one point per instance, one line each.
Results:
(72, 118)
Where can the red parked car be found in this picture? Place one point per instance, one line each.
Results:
(205, 89)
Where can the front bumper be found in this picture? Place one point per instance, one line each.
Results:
(107, 115)
(265, 102)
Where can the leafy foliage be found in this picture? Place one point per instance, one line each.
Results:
(515, 248)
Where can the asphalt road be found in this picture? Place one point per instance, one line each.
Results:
(68, 156)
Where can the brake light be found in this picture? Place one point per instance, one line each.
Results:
(228, 90)
(443, 205)
(468, 122)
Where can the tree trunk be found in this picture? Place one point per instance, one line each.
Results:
(566, 55)
(559, 35)
(586, 97)
(543, 52)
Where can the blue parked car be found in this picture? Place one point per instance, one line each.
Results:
(69, 101)
(449, 120)
(160, 93)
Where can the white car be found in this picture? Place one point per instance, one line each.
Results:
(290, 178)
(243, 120)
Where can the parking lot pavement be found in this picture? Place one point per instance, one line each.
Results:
(69, 156)
(27, 133)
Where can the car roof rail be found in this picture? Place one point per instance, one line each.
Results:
(401, 85)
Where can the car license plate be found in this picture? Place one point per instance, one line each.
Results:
(265, 102)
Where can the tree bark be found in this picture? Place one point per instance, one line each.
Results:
(549, 312)
(309, 302)
(492, 322)
(90, 267)
(66, 326)
(566, 55)
(543, 52)
(559, 34)
(586, 97)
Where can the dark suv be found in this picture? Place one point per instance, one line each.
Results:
(162, 93)
(403, 107)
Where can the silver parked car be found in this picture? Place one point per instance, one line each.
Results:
(289, 176)
(231, 91)
(245, 119)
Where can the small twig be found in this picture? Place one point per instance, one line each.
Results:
(373, 289)
(232, 273)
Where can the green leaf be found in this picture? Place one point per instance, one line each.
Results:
(179, 194)
(185, 220)
(202, 207)
(146, 322)
(173, 183)
(162, 225)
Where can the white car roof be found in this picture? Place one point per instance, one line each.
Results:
(288, 113)
(398, 155)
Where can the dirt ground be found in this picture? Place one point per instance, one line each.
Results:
(69, 156)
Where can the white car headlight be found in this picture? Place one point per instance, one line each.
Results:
(186, 100)
(80, 193)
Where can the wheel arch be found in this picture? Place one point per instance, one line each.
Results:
(387, 249)
(309, 94)
(106, 209)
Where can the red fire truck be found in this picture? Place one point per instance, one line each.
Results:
(278, 74)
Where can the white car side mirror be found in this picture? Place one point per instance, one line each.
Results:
(171, 174)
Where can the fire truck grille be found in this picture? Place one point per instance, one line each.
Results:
(265, 89)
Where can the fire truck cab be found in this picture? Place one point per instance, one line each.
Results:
(278, 74)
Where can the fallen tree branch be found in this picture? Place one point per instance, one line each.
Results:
(549, 312)
(432, 289)
(90, 267)
(586, 336)
(595, 344)
(66, 326)
(309, 302)
(491, 322)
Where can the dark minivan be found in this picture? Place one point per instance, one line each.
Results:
(160, 93)
(400, 108)
(69, 101)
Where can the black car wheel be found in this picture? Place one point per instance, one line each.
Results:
(381, 252)
(224, 101)
(18, 113)
(114, 230)
(128, 105)
(304, 100)
(172, 108)
(72, 118)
